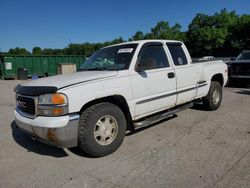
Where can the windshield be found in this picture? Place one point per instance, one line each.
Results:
(110, 58)
(244, 56)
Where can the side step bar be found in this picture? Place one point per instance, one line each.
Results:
(160, 116)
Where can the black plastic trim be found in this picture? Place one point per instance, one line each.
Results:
(156, 98)
(174, 93)
(186, 90)
(201, 82)
(173, 43)
(202, 85)
(34, 90)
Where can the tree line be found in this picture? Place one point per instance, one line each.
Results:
(222, 34)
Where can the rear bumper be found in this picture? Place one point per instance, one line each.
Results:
(57, 131)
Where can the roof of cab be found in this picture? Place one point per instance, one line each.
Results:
(145, 41)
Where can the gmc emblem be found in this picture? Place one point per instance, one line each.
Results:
(22, 104)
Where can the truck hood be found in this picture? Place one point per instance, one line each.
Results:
(61, 81)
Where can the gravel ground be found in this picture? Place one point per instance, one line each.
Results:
(195, 149)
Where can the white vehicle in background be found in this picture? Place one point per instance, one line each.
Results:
(120, 87)
(207, 58)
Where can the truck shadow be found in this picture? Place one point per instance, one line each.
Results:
(30, 145)
(79, 152)
(199, 107)
(243, 92)
(238, 85)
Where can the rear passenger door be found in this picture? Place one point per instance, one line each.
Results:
(185, 76)
(153, 81)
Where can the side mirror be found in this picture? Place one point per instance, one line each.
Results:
(232, 58)
(139, 68)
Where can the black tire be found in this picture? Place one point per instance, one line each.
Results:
(88, 123)
(209, 101)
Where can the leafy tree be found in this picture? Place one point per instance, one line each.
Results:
(74, 49)
(149, 36)
(36, 51)
(47, 51)
(240, 34)
(88, 49)
(118, 40)
(208, 35)
(222, 34)
(163, 30)
(139, 35)
(18, 51)
(58, 52)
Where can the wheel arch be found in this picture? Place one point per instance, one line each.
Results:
(218, 78)
(117, 100)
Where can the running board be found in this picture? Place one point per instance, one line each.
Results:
(158, 117)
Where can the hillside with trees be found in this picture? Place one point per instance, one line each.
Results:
(222, 34)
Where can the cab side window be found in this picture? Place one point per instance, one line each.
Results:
(178, 55)
(152, 57)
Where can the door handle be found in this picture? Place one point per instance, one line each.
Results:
(171, 75)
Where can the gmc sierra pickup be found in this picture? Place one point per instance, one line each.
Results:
(119, 88)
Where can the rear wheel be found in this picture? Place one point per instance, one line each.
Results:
(102, 129)
(214, 97)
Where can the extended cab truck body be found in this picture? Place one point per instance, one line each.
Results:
(118, 88)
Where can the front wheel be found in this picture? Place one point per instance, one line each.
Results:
(214, 97)
(102, 129)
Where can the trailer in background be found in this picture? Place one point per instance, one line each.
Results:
(41, 66)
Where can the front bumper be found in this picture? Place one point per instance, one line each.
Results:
(59, 131)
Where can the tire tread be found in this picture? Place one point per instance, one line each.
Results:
(86, 144)
(208, 100)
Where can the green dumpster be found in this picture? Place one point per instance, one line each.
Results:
(35, 65)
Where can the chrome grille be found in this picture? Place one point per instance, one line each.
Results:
(26, 104)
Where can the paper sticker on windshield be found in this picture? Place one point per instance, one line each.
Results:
(125, 50)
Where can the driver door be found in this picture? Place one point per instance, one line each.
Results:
(153, 82)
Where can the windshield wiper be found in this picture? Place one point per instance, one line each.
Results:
(98, 69)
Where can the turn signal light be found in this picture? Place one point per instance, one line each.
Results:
(58, 99)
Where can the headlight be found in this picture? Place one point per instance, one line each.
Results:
(52, 104)
(56, 98)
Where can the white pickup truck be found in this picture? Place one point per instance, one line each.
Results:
(119, 88)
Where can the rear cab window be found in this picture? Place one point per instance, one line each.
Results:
(177, 53)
